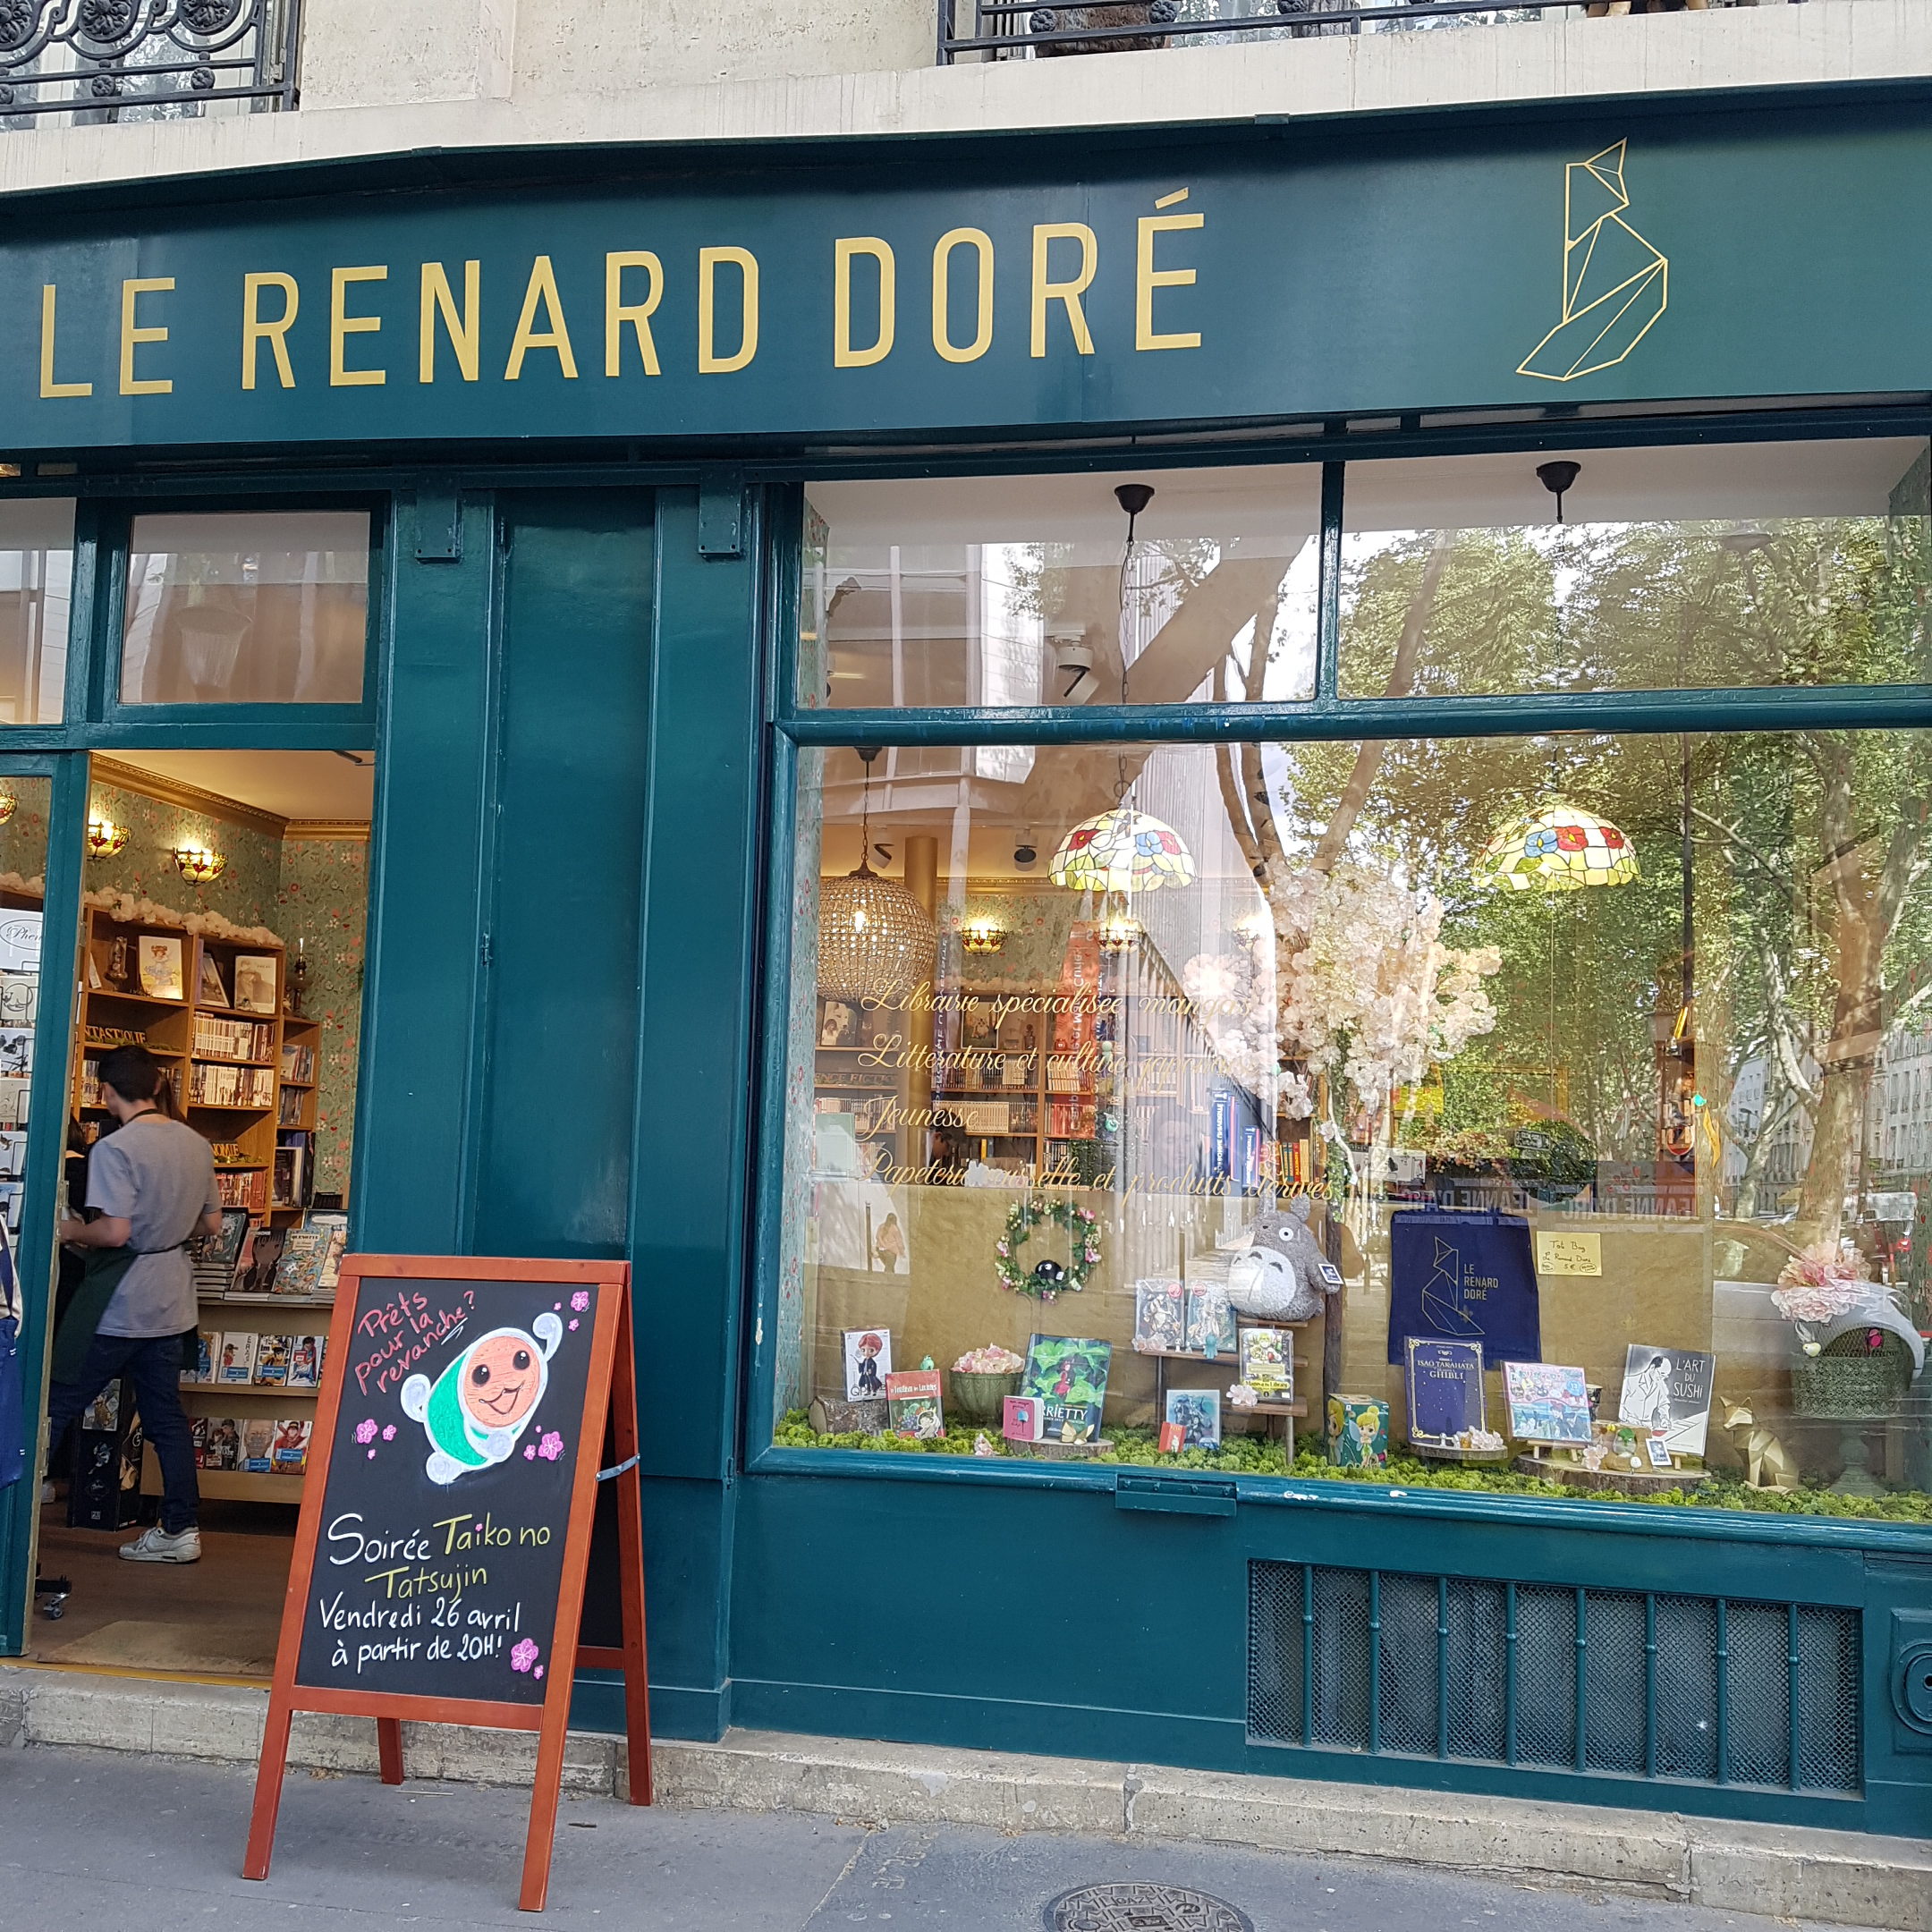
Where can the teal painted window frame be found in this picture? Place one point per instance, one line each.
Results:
(1328, 715)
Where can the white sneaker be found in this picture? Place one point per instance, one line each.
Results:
(157, 1546)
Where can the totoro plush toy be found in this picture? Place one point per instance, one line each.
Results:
(1284, 1274)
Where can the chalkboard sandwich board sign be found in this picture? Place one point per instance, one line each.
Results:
(445, 1524)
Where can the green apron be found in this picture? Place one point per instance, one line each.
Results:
(101, 1273)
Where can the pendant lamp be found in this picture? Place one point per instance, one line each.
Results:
(1557, 848)
(875, 941)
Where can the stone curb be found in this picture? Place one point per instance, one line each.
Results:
(1780, 1871)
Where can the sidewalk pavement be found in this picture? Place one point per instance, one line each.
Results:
(103, 1838)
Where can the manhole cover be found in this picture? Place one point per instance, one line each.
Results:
(1142, 1908)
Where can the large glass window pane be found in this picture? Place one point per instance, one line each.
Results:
(1735, 564)
(268, 608)
(1021, 590)
(1607, 1055)
(36, 563)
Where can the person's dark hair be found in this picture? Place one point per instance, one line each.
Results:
(133, 1072)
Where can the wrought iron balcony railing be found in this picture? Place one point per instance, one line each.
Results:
(96, 61)
(1028, 29)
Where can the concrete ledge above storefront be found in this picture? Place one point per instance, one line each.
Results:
(1833, 1877)
(573, 92)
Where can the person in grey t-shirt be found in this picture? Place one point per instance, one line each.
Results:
(152, 1181)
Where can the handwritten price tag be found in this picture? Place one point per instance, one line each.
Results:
(1561, 1253)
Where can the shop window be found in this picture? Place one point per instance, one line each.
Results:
(268, 608)
(1539, 1115)
(35, 564)
(223, 914)
(1021, 590)
(1670, 569)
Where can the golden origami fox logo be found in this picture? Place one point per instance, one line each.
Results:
(1614, 284)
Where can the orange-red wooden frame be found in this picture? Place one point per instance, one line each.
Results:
(611, 1390)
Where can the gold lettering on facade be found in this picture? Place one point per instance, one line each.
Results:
(133, 334)
(1148, 277)
(343, 324)
(255, 331)
(981, 243)
(542, 289)
(48, 386)
(617, 311)
(439, 299)
(709, 362)
(1068, 294)
(843, 354)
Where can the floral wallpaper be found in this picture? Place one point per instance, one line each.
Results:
(321, 907)
(245, 892)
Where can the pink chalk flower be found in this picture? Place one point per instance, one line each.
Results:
(524, 1656)
(365, 1432)
(551, 1447)
(580, 1301)
(389, 1434)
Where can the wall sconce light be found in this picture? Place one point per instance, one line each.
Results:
(1118, 932)
(9, 805)
(199, 864)
(981, 936)
(104, 838)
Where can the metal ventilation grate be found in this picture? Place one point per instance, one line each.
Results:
(1706, 1690)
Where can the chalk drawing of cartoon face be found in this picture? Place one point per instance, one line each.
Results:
(474, 1411)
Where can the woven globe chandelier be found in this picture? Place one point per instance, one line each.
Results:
(875, 941)
(1557, 848)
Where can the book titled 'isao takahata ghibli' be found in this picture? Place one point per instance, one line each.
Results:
(1445, 1389)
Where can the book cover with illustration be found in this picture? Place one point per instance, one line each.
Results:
(289, 1453)
(1197, 1414)
(1549, 1403)
(1667, 1390)
(223, 1450)
(160, 967)
(912, 1403)
(198, 1439)
(1445, 1388)
(1268, 1363)
(215, 1257)
(272, 1354)
(1069, 1373)
(1160, 1316)
(1022, 1419)
(257, 1445)
(868, 1363)
(305, 1363)
(299, 1268)
(236, 1361)
(1210, 1321)
(200, 1366)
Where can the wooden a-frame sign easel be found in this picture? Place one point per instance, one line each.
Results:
(610, 1395)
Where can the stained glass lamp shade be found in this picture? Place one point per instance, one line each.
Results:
(1556, 849)
(1122, 851)
(875, 939)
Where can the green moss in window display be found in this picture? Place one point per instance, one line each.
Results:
(1264, 1455)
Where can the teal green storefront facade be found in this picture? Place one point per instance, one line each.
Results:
(586, 460)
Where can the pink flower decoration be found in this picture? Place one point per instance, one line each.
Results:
(365, 1432)
(538, 1671)
(524, 1656)
(388, 1435)
(372, 1455)
(551, 1447)
(573, 1321)
(530, 1454)
(580, 1301)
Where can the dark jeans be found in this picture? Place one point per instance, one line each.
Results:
(154, 1364)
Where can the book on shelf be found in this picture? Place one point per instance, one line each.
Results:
(290, 1451)
(1668, 1392)
(298, 1062)
(334, 1221)
(216, 1256)
(299, 1271)
(255, 977)
(221, 1443)
(235, 1363)
(1210, 1320)
(215, 1085)
(1160, 1314)
(199, 1368)
(160, 967)
(289, 1107)
(248, 1192)
(1548, 1402)
(272, 1360)
(257, 1445)
(290, 1185)
(233, 1040)
(198, 1439)
(212, 992)
(1268, 1363)
(305, 1360)
(255, 1274)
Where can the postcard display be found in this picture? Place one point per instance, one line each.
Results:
(1464, 1300)
(443, 1546)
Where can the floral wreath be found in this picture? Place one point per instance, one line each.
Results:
(1048, 1278)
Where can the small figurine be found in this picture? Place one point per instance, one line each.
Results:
(1283, 1276)
(1049, 1273)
